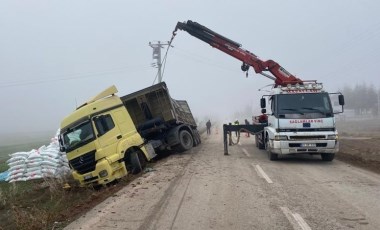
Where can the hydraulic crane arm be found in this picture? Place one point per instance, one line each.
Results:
(280, 75)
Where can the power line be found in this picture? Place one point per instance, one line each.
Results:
(74, 77)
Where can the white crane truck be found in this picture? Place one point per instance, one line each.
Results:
(301, 118)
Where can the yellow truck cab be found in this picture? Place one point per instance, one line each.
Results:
(101, 141)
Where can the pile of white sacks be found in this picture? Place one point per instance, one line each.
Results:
(47, 161)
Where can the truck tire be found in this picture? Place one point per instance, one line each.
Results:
(260, 145)
(198, 137)
(133, 163)
(142, 159)
(271, 156)
(186, 141)
(327, 156)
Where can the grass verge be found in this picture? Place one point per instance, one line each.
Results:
(44, 204)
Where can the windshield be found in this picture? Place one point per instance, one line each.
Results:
(78, 136)
(312, 105)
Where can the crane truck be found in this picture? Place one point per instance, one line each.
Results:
(110, 136)
(301, 118)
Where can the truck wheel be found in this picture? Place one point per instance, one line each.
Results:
(142, 159)
(185, 141)
(271, 156)
(327, 156)
(259, 144)
(132, 163)
(198, 137)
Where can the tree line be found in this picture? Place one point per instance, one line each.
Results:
(362, 98)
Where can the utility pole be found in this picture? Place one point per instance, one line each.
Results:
(157, 56)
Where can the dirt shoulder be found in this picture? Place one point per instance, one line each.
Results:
(360, 143)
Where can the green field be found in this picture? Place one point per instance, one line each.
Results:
(9, 149)
(21, 202)
(21, 142)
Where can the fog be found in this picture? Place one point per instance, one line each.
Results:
(54, 55)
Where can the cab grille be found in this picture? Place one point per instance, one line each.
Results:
(84, 163)
(314, 137)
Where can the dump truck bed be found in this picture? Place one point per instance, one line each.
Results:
(154, 102)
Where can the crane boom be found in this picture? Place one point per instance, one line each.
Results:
(232, 48)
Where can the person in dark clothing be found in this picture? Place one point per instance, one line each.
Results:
(237, 123)
(247, 123)
(208, 125)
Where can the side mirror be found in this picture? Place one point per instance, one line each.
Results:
(262, 103)
(341, 99)
(61, 147)
(263, 111)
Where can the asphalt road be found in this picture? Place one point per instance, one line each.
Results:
(203, 189)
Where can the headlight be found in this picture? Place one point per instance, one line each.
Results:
(280, 137)
(332, 137)
(103, 173)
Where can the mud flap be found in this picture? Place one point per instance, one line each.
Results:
(150, 151)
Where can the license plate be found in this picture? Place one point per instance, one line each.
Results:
(87, 177)
(308, 145)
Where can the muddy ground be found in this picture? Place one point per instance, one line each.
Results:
(360, 143)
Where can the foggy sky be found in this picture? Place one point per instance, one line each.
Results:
(55, 55)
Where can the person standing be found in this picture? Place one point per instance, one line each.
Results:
(208, 126)
(237, 123)
(247, 123)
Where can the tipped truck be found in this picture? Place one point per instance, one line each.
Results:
(108, 137)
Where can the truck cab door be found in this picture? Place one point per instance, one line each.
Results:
(108, 133)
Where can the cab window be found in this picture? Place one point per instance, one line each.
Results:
(103, 124)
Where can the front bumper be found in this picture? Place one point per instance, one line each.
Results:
(114, 171)
(305, 146)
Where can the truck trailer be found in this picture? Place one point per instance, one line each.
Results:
(167, 123)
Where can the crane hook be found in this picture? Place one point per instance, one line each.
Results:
(244, 67)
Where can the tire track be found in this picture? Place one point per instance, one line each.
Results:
(151, 220)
